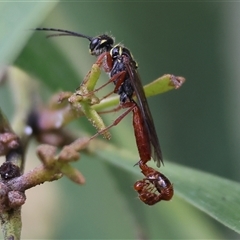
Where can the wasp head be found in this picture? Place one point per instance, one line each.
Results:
(100, 44)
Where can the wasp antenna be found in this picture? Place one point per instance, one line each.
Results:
(63, 33)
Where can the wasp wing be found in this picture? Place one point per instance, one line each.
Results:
(156, 152)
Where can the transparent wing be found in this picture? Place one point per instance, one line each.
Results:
(156, 152)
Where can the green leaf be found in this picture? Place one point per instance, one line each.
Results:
(216, 196)
(17, 18)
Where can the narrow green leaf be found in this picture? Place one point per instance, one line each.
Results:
(216, 196)
(17, 18)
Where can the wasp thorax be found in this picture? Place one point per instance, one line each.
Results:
(116, 51)
(100, 44)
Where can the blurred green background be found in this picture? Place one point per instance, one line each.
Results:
(197, 125)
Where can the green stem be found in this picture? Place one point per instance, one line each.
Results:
(11, 224)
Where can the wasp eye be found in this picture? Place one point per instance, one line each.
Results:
(100, 44)
(94, 44)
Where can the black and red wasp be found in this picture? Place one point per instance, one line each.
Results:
(119, 63)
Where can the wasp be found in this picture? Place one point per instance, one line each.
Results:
(118, 62)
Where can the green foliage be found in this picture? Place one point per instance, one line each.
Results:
(107, 206)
